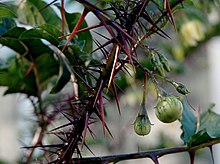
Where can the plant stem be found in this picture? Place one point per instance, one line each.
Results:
(145, 154)
(145, 89)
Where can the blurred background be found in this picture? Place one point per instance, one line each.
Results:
(195, 54)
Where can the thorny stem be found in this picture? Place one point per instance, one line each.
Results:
(65, 61)
(106, 74)
(145, 154)
(158, 20)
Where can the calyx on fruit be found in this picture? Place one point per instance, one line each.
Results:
(142, 125)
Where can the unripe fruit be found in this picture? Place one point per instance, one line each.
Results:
(169, 109)
(142, 125)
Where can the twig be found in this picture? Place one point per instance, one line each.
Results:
(145, 154)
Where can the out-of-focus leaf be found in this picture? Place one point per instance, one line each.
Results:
(10, 39)
(75, 55)
(63, 79)
(15, 32)
(52, 30)
(200, 137)
(34, 44)
(211, 122)
(36, 12)
(188, 123)
(13, 77)
(209, 128)
(47, 67)
(47, 32)
(188, 3)
(6, 13)
(84, 37)
(2, 162)
(6, 24)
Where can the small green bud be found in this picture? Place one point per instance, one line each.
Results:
(165, 63)
(153, 59)
(157, 65)
(160, 69)
(181, 88)
(142, 125)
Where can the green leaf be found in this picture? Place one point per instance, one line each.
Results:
(75, 55)
(211, 122)
(200, 137)
(34, 44)
(63, 79)
(52, 30)
(209, 128)
(10, 39)
(188, 3)
(188, 123)
(83, 37)
(13, 77)
(6, 24)
(46, 31)
(36, 12)
(15, 32)
(6, 13)
(47, 67)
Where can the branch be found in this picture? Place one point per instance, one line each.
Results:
(145, 154)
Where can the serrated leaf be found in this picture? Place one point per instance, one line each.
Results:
(188, 123)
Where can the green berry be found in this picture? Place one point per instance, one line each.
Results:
(169, 109)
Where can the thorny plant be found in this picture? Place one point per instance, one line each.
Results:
(126, 25)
